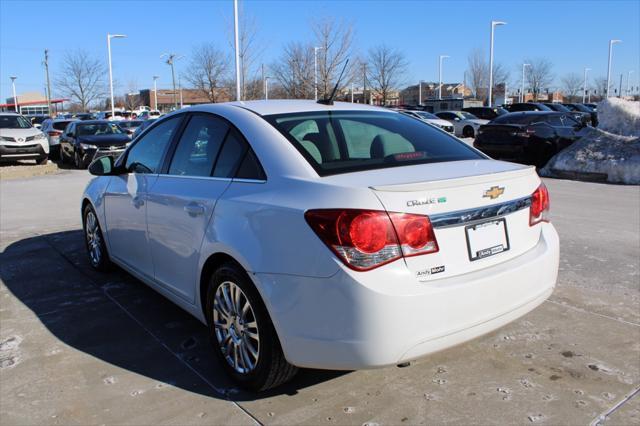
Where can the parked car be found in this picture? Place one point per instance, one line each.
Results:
(527, 106)
(592, 107)
(529, 137)
(486, 113)
(583, 108)
(19, 140)
(338, 236)
(148, 115)
(130, 126)
(53, 129)
(427, 117)
(85, 116)
(37, 119)
(84, 141)
(142, 126)
(583, 117)
(464, 124)
(106, 115)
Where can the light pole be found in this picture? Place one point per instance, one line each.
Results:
(315, 71)
(15, 98)
(155, 92)
(440, 74)
(266, 88)
(237, 47)
(522, 90)
(493, 26)
(109, 37)
(628, 80)
(352, 92)
(171, 58)
(611, 43)
(584, 91)
(420, 92)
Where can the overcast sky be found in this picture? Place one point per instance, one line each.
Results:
(571, 34)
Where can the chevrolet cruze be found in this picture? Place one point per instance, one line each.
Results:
(337, 236)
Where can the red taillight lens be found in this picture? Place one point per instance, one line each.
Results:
(54, 133)
(539, 210)
(415, 233)
(366, 239)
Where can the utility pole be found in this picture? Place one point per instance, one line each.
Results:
(46, 67)
(171, 58)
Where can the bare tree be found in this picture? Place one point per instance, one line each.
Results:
(81, 78)
(478, 73)
(208, 70)
(572, 84)
(250, 50)
(294, 71)
(335, 40)
(387, 67)
(600, 89)
(539, 75)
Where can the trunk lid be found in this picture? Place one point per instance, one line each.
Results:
(479, 211)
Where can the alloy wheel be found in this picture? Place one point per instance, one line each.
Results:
(94, 240)
(236, 328)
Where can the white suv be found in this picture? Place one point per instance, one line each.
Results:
(19, 140)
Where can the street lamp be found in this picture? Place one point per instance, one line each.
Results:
(420, 92)
(611, 43)
(352, 92)
(440, 75)
(266, 88)
(237, 48)
(628, 80)
(171, 58)
(494, 24)
(15, 98)
(109, 37)
(522, 91)
(584, 92)
(315, 71)
(155, 92)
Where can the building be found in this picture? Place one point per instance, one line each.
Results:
(168, 98)
(411, 95)
(32, 103)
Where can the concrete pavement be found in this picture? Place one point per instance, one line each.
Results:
(78, 347)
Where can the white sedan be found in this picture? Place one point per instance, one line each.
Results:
(465, 124)
(338, 236)
(427, 117)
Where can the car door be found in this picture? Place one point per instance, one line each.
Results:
(66, 142)
(126, 196)
(182, 199)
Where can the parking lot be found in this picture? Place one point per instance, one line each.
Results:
(79, 347)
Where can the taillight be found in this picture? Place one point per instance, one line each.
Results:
(366, 239)
(539, 210)
(54, 133)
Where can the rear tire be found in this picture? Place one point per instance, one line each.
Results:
(241, 332)
(468, 132)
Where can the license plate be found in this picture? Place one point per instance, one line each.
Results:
(487, 239)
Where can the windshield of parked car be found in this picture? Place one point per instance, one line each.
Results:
(468, 115)
(336, 142)
(98, 129)
(14, 122)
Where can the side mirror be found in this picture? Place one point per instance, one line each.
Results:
(103, 166)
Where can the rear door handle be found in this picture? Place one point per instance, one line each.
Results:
(194, 209)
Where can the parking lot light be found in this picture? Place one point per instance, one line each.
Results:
(522, 91)
(584, 93)
(155, 92)
(440, 74)
(611, 43)
(15, 98)
(494, 24)
(109, 37)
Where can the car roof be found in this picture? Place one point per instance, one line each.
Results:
(95, 121)
(533, 113)
(286, 106)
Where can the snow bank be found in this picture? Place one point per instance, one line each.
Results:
(600, 155)
(619, 116)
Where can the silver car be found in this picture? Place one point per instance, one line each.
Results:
(53, 129)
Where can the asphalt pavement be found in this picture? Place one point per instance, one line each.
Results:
(79, 347)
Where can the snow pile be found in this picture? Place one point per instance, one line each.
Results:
(619, 116)
(600, 155)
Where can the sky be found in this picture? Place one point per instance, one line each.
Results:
(571, 34)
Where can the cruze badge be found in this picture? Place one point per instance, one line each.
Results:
(493, 192)
(426, 201)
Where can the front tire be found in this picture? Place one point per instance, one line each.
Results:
(94, 242)
(468, 132)
(241, 332)
(42, 160)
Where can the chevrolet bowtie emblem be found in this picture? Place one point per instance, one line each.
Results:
(493, 192)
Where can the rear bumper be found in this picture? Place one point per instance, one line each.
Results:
(356, 320)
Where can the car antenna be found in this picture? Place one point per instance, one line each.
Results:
(329, 100)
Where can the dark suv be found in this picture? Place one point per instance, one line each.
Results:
(486, 113)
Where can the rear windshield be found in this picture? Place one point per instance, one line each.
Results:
(335, 142)
(519, 118)
(14, 122)
(60, 125)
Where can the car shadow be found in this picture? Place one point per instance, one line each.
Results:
(121, 321)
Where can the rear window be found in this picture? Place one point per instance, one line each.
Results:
(60, 125)
(335, 142)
